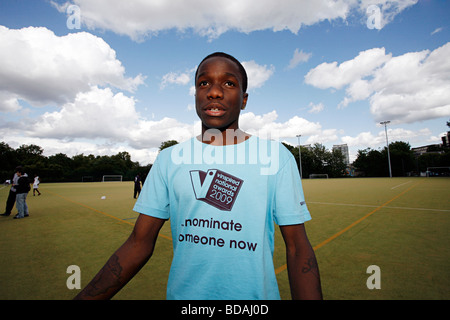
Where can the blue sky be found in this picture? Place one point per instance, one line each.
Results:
(123, 80)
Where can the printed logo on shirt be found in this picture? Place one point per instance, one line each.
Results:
(215, 187)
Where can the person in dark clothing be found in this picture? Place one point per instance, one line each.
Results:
(22, 190)
(12, 194)
(137, 185)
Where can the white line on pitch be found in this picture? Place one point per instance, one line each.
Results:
(400, 185)
(370, 206)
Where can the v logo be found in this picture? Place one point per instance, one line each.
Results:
(201, 181)
(216, 188)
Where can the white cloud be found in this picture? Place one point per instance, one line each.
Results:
(411, 87)
(8, 102)
(98, 113)
(182, 78)
(315, 108)
(41, 68)
(377, 140)
(370, 140)
(366, 139)
(436, 30)
(299, 57)
(152, 133)
(101, 122)
(266, 125)
(332, 75)
(139, 19)
(192, 91)
(325, 136)
(257, 74)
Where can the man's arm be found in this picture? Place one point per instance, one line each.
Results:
(303, 271)
(125, 262)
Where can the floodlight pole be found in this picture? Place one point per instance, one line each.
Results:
(299, 156)
(387, 145)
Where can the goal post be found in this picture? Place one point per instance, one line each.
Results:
(318, 176)
(112, 177)
(438, 172)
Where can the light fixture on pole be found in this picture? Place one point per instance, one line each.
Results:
(387, 145)
(299, 156)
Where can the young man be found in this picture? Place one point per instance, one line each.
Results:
(222, 194)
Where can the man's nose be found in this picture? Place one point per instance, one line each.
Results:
(215, 92)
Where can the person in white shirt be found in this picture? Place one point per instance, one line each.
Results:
(36, 185)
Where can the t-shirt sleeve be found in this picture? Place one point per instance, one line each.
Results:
(290, 206)
(153, 200)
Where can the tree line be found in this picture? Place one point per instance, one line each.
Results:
(374, 163)
(370, 162)
(61, 168)
(314, 160)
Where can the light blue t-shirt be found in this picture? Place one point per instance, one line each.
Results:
(222, 202)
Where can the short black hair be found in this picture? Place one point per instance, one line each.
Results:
(230, 57)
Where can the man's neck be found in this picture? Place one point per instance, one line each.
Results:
(218, 137)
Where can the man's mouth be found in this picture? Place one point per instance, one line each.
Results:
(214, 111)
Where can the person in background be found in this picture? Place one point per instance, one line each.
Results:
(137, 185)
(36, 185)
(12, 194)
(22, 189)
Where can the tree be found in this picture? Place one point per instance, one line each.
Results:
(8, 161)
(402, 158)
(433, 159)
(374, 163)
(82, 166)
(371, 163)
(337, 165)
(29, 154)
(319, 160)
(167, 144)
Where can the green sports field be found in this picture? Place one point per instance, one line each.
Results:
(400, 225)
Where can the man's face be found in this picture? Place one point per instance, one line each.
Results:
(219, 97)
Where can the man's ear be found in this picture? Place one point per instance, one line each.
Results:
(244, 101)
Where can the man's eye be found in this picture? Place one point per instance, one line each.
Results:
(202, 83)
(230, 84)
